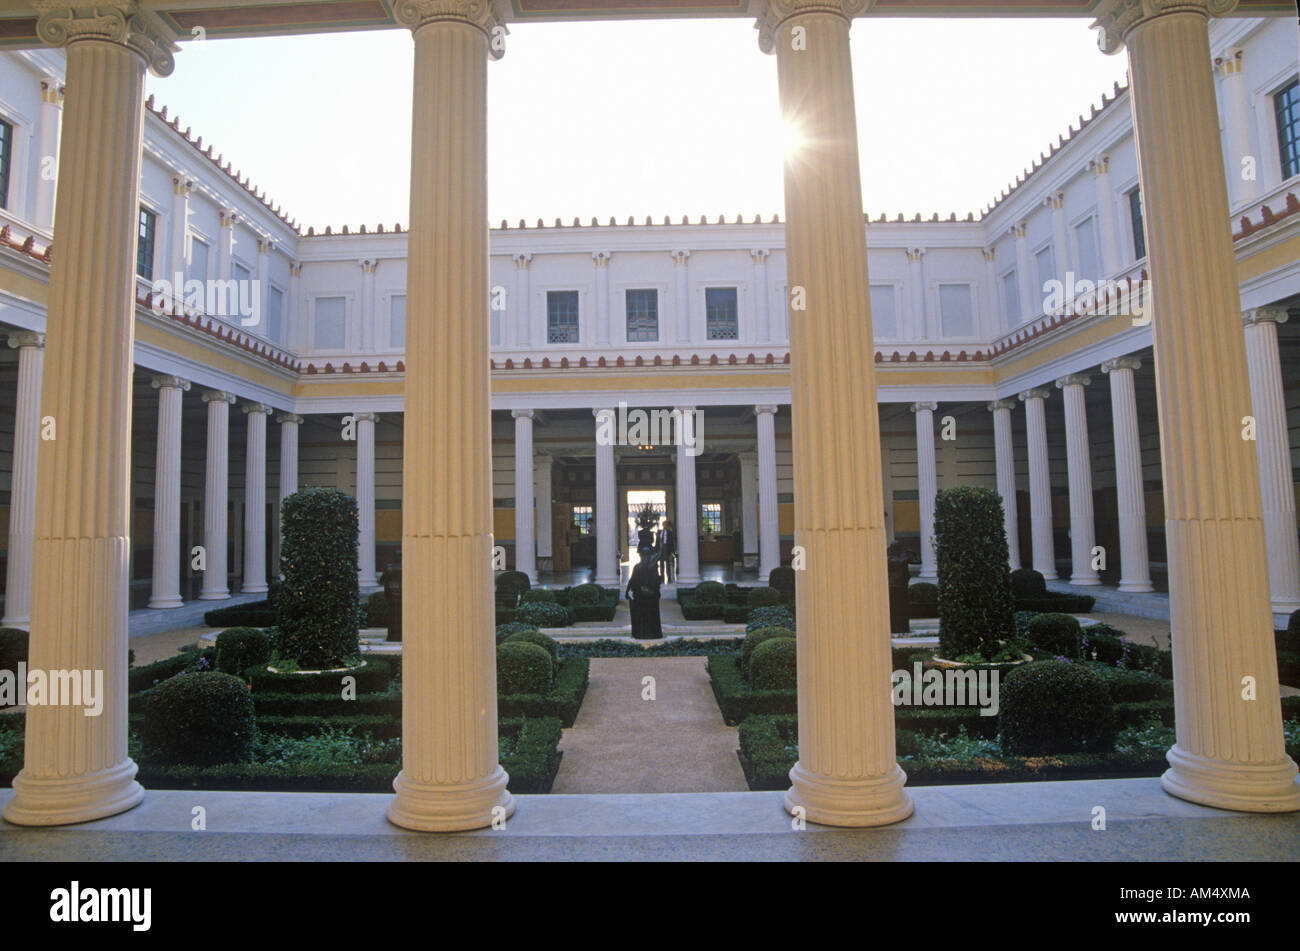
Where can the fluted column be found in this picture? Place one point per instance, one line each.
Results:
(1060, 246)
(47, 155)
(525, 516)
(920, 329)
(368, 266)
(451, 778)
(167, 494)
(602, 330)
(748, 506)
(682, 315)
(1029, 301)
(262, 320)
(295, 333)
(1108, 234)
(1230, 751)
(1135, 567)
(76, 767)
(517, 330)
(1040, 483)
(216, 496)
(366, 499)
(226, 251)
(1004, 454)
(607, 515)
(688, 508)
(542, 479)
(927, 486)
(22, 488)
(1078, 460)
(762, 295)
(255, 499)
(847, 773)
(177, 265)
(1238, 116)
(769, 521)
(289, 423)
(1273, 448)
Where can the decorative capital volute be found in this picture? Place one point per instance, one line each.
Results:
(1037, 393)
(1121, 363)
(169, 381)
(257, 408)
(1117, 18)
(291, 418)
(415, 14)
(218, 396)
(111, 21)
(1073, 379)
(680, 257)
(1002, 404)
(776, 12)
(1255, 315)
(924, 407)
(19, 339)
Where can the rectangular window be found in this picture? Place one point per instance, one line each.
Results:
(1085, 236)
(1286, 108)
(1011, 298)
(144, 244)
(642, 315)
(331, 323)
(582, 518)
(720, 314)
(561, 316)
(6, 160)
(1045, 262)
(274, 313)
(711, 518)
(955, 316)
(884, 319)
(1135, 216)
(198, 260)
(397, 321)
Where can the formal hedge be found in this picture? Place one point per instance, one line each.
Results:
(756, 637)
(537, 596)
(13, 651)
(764, 597)
(319, 600)
(675, 647)
(924, 599)
(372, 676)
(199, 719)
(736, 699)
(253, 614)
(1062, 603)
(547, 644)
(523, 668)
(1057, 634)
(735, 614)
(586, 594)
(541, 614)
(514, 627)
(976, 612)
(241, 647)
(1026, 583)
(710, 592)
(773, 665)
(1052, 707)
(511, 584)
(374, 610)
(142, 678)
(562, 701)
(783, 579)
(778, 616)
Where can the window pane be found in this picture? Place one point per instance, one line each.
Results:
(1286, 107)
(720, 313)
(1045, 261)
(642, 315)
(711, 517)
(274, 311)
(397, 321)
(198, 260)
(6, 160)
(884, 320)
(144, 245)
(331, 313)
(1085, 234)
(1011, 297)
(582, 518)
(1135, 216)
(561, 316)
(955, 310)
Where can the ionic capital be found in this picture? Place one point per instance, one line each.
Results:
(1073, 379)
(1100, 165)
(51, 92)
(680, 257)
(1037, 393)
(291, 418)
(367, 265)
(265, 245)
(123, 22)
(601, 257)
(366, 417)
(414, 14)
(777, 12)
(522, 413)
(759, 255)
(182, 186)
(295, 269)
(1229, 64)
(522, 261)
(989, 254)
(256, 408)
(169, 382)
(924, 407)
(914, 255)
(26, 338)
(769, 408)
(1121, 363)
(1117, 18)
(218, 396)
(1258, 315)
(1055, 202)
(1001, 404)
(1018, 231)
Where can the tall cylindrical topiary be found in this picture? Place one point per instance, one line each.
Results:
(319, 598)
(976, 609)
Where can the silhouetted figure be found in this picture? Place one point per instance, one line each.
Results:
(666, 553)
(643, 597)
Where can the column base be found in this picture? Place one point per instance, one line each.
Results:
(930, 576)
(1226, 785)
(1136, 587)
(1048, 575)
(214, 595)
(428, 807)
(22, 623)
(367, 582)
(84, 797)
(688, 580)
(849, 802)
(159, 604)
(254, 588)
(1286, 606)
(1084, 581)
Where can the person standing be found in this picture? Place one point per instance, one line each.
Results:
(643, 596)
(667, 551)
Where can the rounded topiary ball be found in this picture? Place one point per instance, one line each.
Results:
(772, 666)
(239, 648)
(782, 578)
(375, 613)
(537, 596)
(513, 627)
(199, 719)
(775, 616)
(1057, 633)
(711, 592)
(924, 596)
(1027, 583)
(523, 668)
(1051, 706)
(756, 637)
(548, 644)
(764, 597)
(512, 584)
(586, 594)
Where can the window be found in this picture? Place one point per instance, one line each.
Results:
(884, 319)
(720, 316)
(1135, 216)
(582, 518)
(1011, 298)
(711, 518)
(274, 313)
(1085, 236)
(1286, 108)
(642, 315)
(198, 260)
(1045, 261)
(955, 310)
(561, 316)
(331, 323)
(144, 245)
(6, 160)
(397, 321)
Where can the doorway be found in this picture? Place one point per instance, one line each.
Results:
(650, 505)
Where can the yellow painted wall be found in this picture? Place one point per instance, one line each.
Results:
(907, 515)
(503, 525)
(388, 525)
(785, 517)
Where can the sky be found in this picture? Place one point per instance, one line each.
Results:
(637, 118)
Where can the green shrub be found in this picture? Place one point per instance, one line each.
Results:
(13, 648)
(756, 637)
(924, 599)
(710, 592)
(199, 719)
(1052, 706)
(511, 584)
(1026, 583)
(543, 614)
(513, 627)
(537, 596)
(253, 614)
(239, 648)
(783, 579)
(764, 597)
(1056, 633)
(976, 610)
(523, 668)
(375, 611)
(319, 599)
(772, 665)
(536, 637)
(777, 616)
(586, 595)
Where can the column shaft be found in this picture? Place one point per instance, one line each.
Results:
(1040, 484)
(607, 516)
(688, 510)
(769, 521)
(255, 500)
(1005, 455)
(216, 501)
(927, 486)
(1078, 456)
(542, 481)
(22, 491)
(366, 499)
(749, 507)
(1135, 568)
(167, 494)
(525, 517)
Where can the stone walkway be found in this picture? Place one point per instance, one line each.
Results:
(674, 743)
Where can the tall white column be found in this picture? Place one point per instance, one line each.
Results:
(76, 767)
(296, 335)
(542, 480)
(1005, 458)
(1238, 115)
(1083, 535)
(920, 329)
(994, 320)
(167, 494)
(1230, 751)
(366, 499)
(1135, 568)
(607, 515)
(47, 153)
(255, 499)
(682, 315)
(263, 322)
(688, 510)
(1030, 303)
(22, 490)
(367, 304)
(517, 329)
(177, 262)
(1108, 234)
(1060, 246)
(216, 500)
(1273, 448)
(1040, 483)
(289, 423)
(525, 516)
(602, 336)
(226, 246)
(762, 295)
(748, 505)
(927, 486)
(769, 521)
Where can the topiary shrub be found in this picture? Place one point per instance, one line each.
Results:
(777, 616)
(976, 609)
(753, 639)
(239, 648)
(537, 596)
(511, 584)
(783, 579)
(764, 597)
(513, 627)
(319, 599)
(13, 651)
(199, 719)
(710, 592)
(541, 640)
(543, 614)
(924, 598)
(772, 666)
(1053, 706)
(586, 595)
(523, 668)
(1056, 633)
(374, 612)
(1026, 583)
